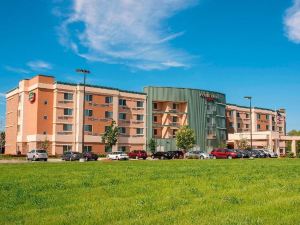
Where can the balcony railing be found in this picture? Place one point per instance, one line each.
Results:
(64, 132)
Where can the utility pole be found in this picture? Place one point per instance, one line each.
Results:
(250, 100)
(84, 72)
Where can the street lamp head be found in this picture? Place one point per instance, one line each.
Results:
(248, 97)
(82, 71)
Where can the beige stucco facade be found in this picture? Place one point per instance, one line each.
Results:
(42, 109)
(268, 127)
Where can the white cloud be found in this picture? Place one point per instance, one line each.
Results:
(17, 70)
(129, 32)
(39, 65)
(292, 22)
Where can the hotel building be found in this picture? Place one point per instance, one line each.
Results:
(268, 126)
(170, 108)
(41, 110)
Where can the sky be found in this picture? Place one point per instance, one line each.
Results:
(249, 47)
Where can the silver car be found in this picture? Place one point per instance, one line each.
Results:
(197, 155)
(36, 154)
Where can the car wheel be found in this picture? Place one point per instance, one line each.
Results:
(229, 157)
(162, 157)
(201, 157)
(86, 159)
(33, 158)
(117, 158)
(27, 159)
(144, 158)
(45, 160)
(136, 157)
(153, 157)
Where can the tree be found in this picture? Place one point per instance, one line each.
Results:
(185, 138)
(45, 144)
(2, 141)
(152, 145)
(110, 137)
(243, 144)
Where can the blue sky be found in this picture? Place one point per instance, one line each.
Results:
(249, 47)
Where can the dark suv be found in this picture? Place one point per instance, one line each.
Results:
(90, 156)
(138, 154)
(177, 154)
(223, 153)
(162, 155)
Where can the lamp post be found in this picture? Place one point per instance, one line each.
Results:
(250, 101)
(84, 72)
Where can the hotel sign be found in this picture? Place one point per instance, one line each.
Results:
(209, 97)
(31, 97)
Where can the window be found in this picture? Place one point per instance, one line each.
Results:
(139, 104)
(230, 124)
(155, 132)
(140, 117)
(67, 127)
(89, 98)
(88, 128)
(67, 148)
(122, 149)
(45, 102)
(88, 112)
(108, 99)
(247, 126)
(174, 133)
(239, 125)
(267, 117)
(230, 113)
(174, 119)
(267, 127)
(139, 131)
(108, 115)
(122, 116)
(155, 119)
(247, 115)
(238, 114)
(122, 130)
(280, 129)
(106, 128)
(44, 132)
(258, 116)
(273, 128)
(88, 148)
(154, 105)
(108, 148)
(122, 102)
(174, 106)
(45, 117)
(68, 96)
(68, 112)
(258, 126)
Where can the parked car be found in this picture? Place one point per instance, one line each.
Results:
(117, 156)
(138, 154)
(270, 153)
(244, 153)
(90, 156)
(222, 153)
(71, 156)
(259, 153)
(37, 154)
(198, 154)
(162, 155)
(177, 154)
(253, 153)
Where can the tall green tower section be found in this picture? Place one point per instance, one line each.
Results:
(205, 115)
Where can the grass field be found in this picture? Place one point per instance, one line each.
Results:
(262, 191)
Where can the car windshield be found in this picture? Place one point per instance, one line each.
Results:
(41, 151)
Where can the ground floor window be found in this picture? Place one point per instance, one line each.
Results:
(122, 149)
(67, 148)
(108, 148)
(88, 148)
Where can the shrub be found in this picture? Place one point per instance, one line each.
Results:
(290, 155)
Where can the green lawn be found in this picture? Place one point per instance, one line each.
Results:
(261, 191)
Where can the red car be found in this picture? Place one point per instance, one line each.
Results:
(138, 154)
(223, 153)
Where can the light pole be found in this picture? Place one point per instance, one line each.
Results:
(84, 72)
(250, 100)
